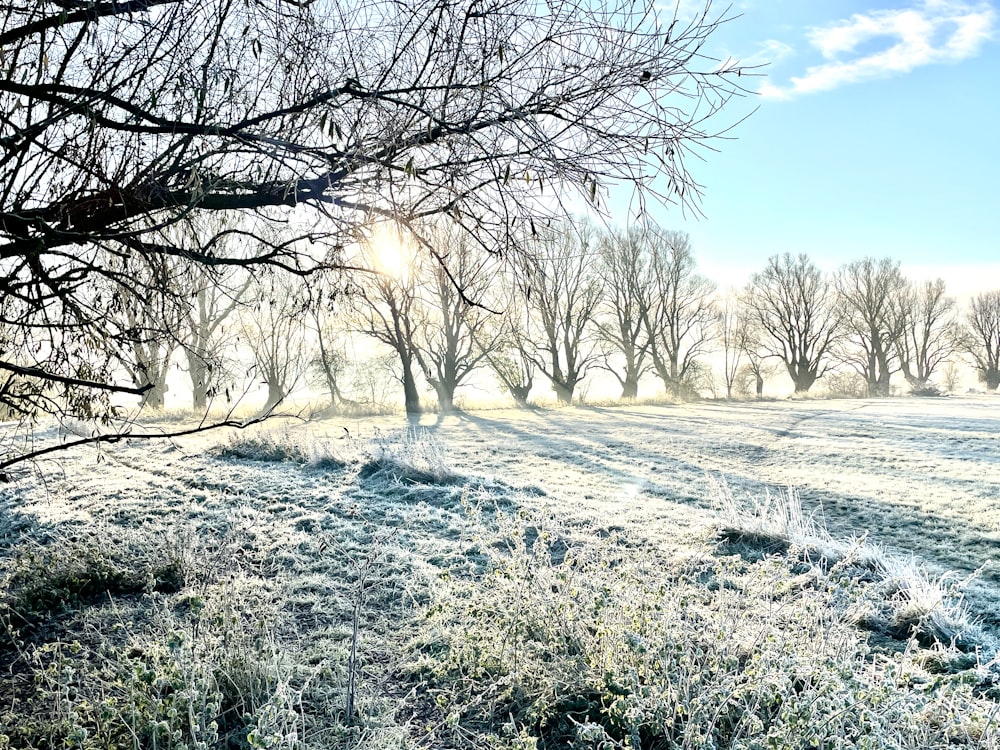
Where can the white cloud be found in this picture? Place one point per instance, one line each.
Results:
(768, 53)
(933, 31)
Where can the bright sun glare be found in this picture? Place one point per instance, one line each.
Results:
(389, 252)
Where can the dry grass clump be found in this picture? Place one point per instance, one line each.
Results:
(352, 410)
(280, 445)
(613, 647)
(772, 523)
(908, 600)
(413, 456)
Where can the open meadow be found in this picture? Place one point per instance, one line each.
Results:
(786, 574)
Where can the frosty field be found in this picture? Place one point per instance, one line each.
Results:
(515, 578)
(919, 475)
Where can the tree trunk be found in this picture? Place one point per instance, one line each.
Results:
(275, 395)
(411, 396)
(760, 386)
(916, 380)
(155, 397)
(630, 388)
(330, 373)
(879, 388)
(992, 379)
(445, 396)
(519, 394)
(564, 392)
(200, 373)
(871, 387)
(803, 379)
(199, 396)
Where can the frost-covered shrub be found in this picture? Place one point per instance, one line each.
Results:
(77, 566)
(108, 655)
(845, 385)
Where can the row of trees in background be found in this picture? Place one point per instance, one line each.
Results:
(627, 302)
(869, 317)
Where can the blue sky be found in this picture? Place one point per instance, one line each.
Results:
(877, 133)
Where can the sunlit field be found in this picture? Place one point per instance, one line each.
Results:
(778, 574)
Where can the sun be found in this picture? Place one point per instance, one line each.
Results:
(390, 252)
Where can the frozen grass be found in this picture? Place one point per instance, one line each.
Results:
(408, 602)
(909, 600)
(611, 646)
(277, 444)
(43, 579)
(413, 456)
(772, 522)
(885, 592)
(115, 638)
(352, 409)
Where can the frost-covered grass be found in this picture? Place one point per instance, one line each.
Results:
(280, 444)
(541, 579)
(116, 638)
(892, 595)
(609, 645)
(414, 456)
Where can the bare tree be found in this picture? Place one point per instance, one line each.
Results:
(274, 330)
(120, 119)
(748, 335)
(373, 380)
(327, 324)
(386, 308)
(732, 329)
(793, 304)
(980, 337)
(628, 292)
(952, 375)
(512, 360)
(150, 326)
(515, 372)
(208, 328)
(680, 319)
(151, 365)
(564, 295)
(758, 367)
(457, 332)
(928, 332)
(871, 291)
(211, 295)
